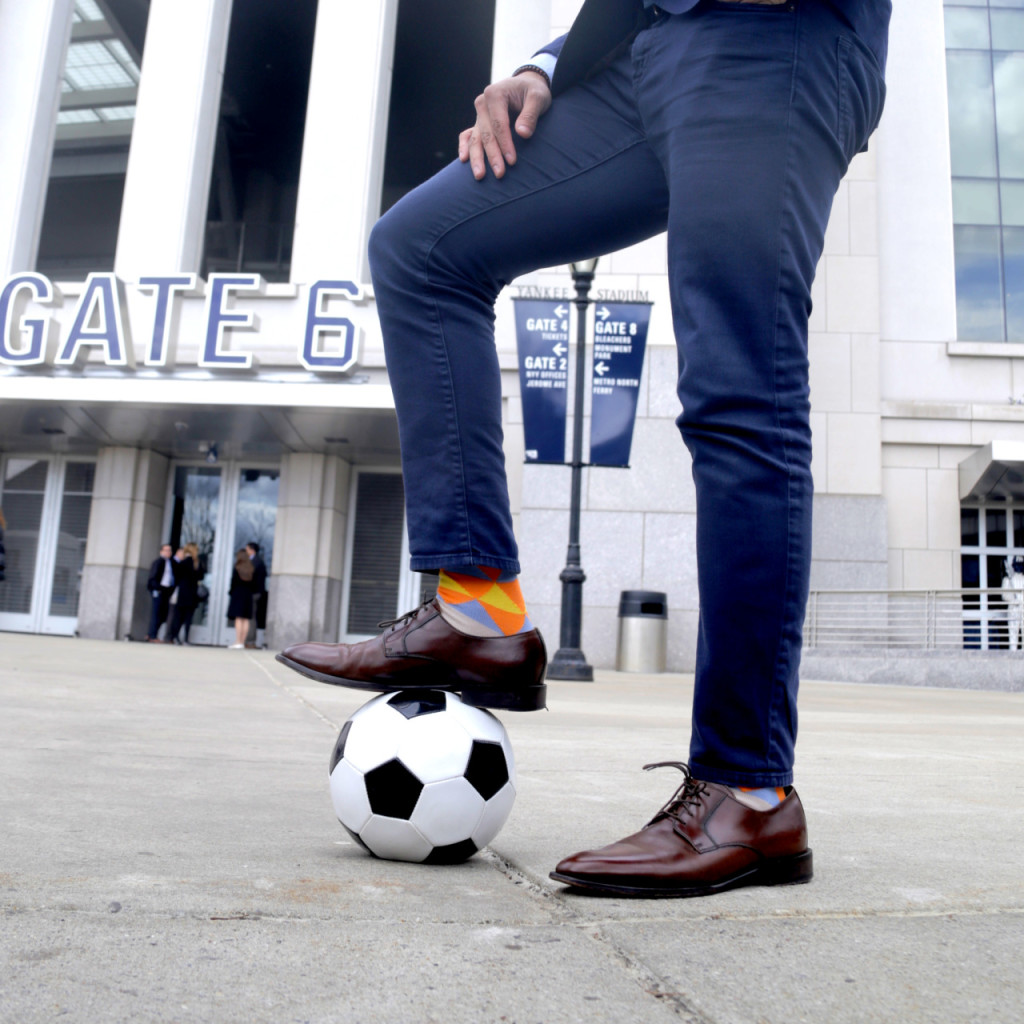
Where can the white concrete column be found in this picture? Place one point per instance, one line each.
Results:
(163, 217)
(918, 283)
(346, 132)
(124, 537)
(33, 42)
(520, 30)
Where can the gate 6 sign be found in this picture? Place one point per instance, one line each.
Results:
(114, 323)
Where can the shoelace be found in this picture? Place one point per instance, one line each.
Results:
(687, 796)
(407, 617)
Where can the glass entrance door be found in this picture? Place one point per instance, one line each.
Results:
(221, 509)
(195, 509)
(46, 502)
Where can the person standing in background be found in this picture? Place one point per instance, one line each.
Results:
(160, 584)
(240, 605)
(188, 575)
(259, 590)
(1013, 595)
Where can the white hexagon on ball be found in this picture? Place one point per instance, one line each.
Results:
(348, 795)
(377, 737)
(494, 816)
(447, 812)
(395, 839)
(435, 746)
(479, 723)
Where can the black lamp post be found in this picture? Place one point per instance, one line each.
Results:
(569, 661)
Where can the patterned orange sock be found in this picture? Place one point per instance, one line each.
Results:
(761, 799)
(482, 601)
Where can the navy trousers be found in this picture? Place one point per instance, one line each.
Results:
(730, 128)
(159, 607)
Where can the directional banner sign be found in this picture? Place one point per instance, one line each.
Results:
(542, 336)
(620, 338)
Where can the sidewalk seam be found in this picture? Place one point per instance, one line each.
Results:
(649, 981)
(291, 693)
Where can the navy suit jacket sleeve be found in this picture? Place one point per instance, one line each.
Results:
(554, 47)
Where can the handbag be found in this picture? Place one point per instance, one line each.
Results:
(202, 593)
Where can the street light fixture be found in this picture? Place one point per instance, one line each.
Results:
(569, 661)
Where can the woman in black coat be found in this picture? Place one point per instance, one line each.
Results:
(240, 593)
(187, 575)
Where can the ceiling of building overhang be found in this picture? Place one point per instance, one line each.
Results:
(994, 472)
(359, 435)
(100, 80)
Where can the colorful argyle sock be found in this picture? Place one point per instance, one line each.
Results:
(760, 799)
(482, 601)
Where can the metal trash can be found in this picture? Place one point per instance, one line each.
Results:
(643, 631)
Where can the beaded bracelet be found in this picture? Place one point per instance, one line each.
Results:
(533, 67)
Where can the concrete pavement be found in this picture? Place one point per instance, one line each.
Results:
(168, 852)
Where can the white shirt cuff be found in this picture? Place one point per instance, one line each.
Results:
(542, 60)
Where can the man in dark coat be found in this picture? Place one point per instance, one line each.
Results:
(160, 584)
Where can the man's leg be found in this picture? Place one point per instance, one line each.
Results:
(154, 615)
(165, 608)
(174, 626)
(158, 612)
(755, 121)
(749, 112)
(585, 183)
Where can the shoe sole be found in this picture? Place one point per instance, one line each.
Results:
(796, 870)
(533, 698)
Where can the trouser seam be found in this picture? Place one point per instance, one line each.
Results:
(783, 661)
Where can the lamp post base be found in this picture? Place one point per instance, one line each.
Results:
(570, 664)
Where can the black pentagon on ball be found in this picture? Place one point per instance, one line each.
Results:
(392, 789)
(355, 836)
(455, 853)
(487, 770)
(413, 703)
(339, 747)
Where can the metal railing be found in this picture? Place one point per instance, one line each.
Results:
(927, 620)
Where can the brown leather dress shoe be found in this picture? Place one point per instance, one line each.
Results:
(421, 651)
(701, 842)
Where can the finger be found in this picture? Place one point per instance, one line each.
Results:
(470, 141)
(477, 158)
(535, 105)
(492, 150)
(499, 115)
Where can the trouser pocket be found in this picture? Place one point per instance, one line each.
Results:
(861, 95)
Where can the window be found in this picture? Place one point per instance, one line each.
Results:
(379, 585)
(985, 72)
(442, 61)
(376, 551)
(990, 537)
(99, 86)
(255, 181)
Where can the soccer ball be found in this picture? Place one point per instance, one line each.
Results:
(418, 775)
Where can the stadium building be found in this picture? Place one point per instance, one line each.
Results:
(190, 351)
